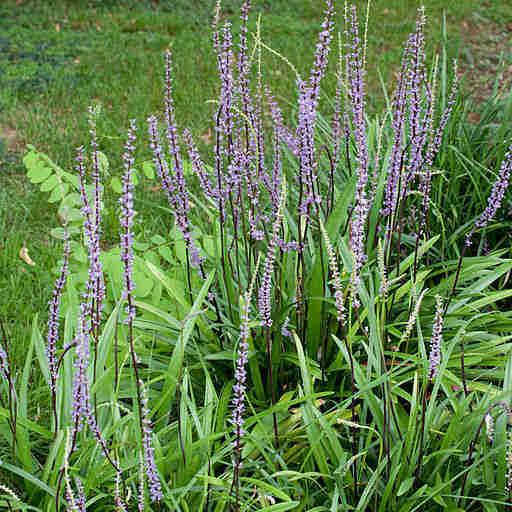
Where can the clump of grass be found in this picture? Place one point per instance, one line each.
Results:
(340, 403)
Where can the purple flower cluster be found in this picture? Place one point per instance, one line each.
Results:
(225, 125)
(408, 78)
(155, 488)
(435, 342)
(420, 119)
(126, 220)
(224, 118)
(80, 402)
(77, 503)
(309, 93)
(277, 122)
(4, 364)
(97, 290)
(240, 371)
(433, 148)
(4, 354)
(264, 305)
(81, 410)
(198, 166)
(53, 317)
(415, 141)
(305, 136)
(284, 328)
(243, 63)
(354, 79)
(173, 183)
(239, 387)
(321, 54)
(496, 197)
(333, 267)
(118, 502)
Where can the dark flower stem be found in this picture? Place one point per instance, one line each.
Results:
(455, 281)
(221, 214)
(417, 473)
(268, 342)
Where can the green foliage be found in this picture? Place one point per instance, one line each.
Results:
(348, 419)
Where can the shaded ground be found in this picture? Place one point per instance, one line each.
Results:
(486, 59)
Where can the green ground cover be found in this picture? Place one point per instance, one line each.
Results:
(58, 58)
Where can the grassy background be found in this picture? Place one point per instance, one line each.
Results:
(57, 58)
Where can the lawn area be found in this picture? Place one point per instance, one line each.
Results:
(369, 313)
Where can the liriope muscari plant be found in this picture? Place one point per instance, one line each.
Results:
(329, 228)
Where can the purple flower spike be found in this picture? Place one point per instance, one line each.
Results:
(435, 343)
(155, 488)
(53, 320)
(284, 328)
(77, 503)
(198, 166)
(354, 78)
(81, 407)
(95, 266)
(80, 395)
(321, 53)
(241, 374)
(264, 305)
(242, 88)
(496, 196)
(81, 495)
(120, 506)
(126, 220)
(173, 182)
(434, 148)
(4, 364)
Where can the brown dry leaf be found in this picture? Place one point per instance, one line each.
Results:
(207, 137)
(474, 117)
(98, 27)
(57, 28)
(25, 257)
(9, 135)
